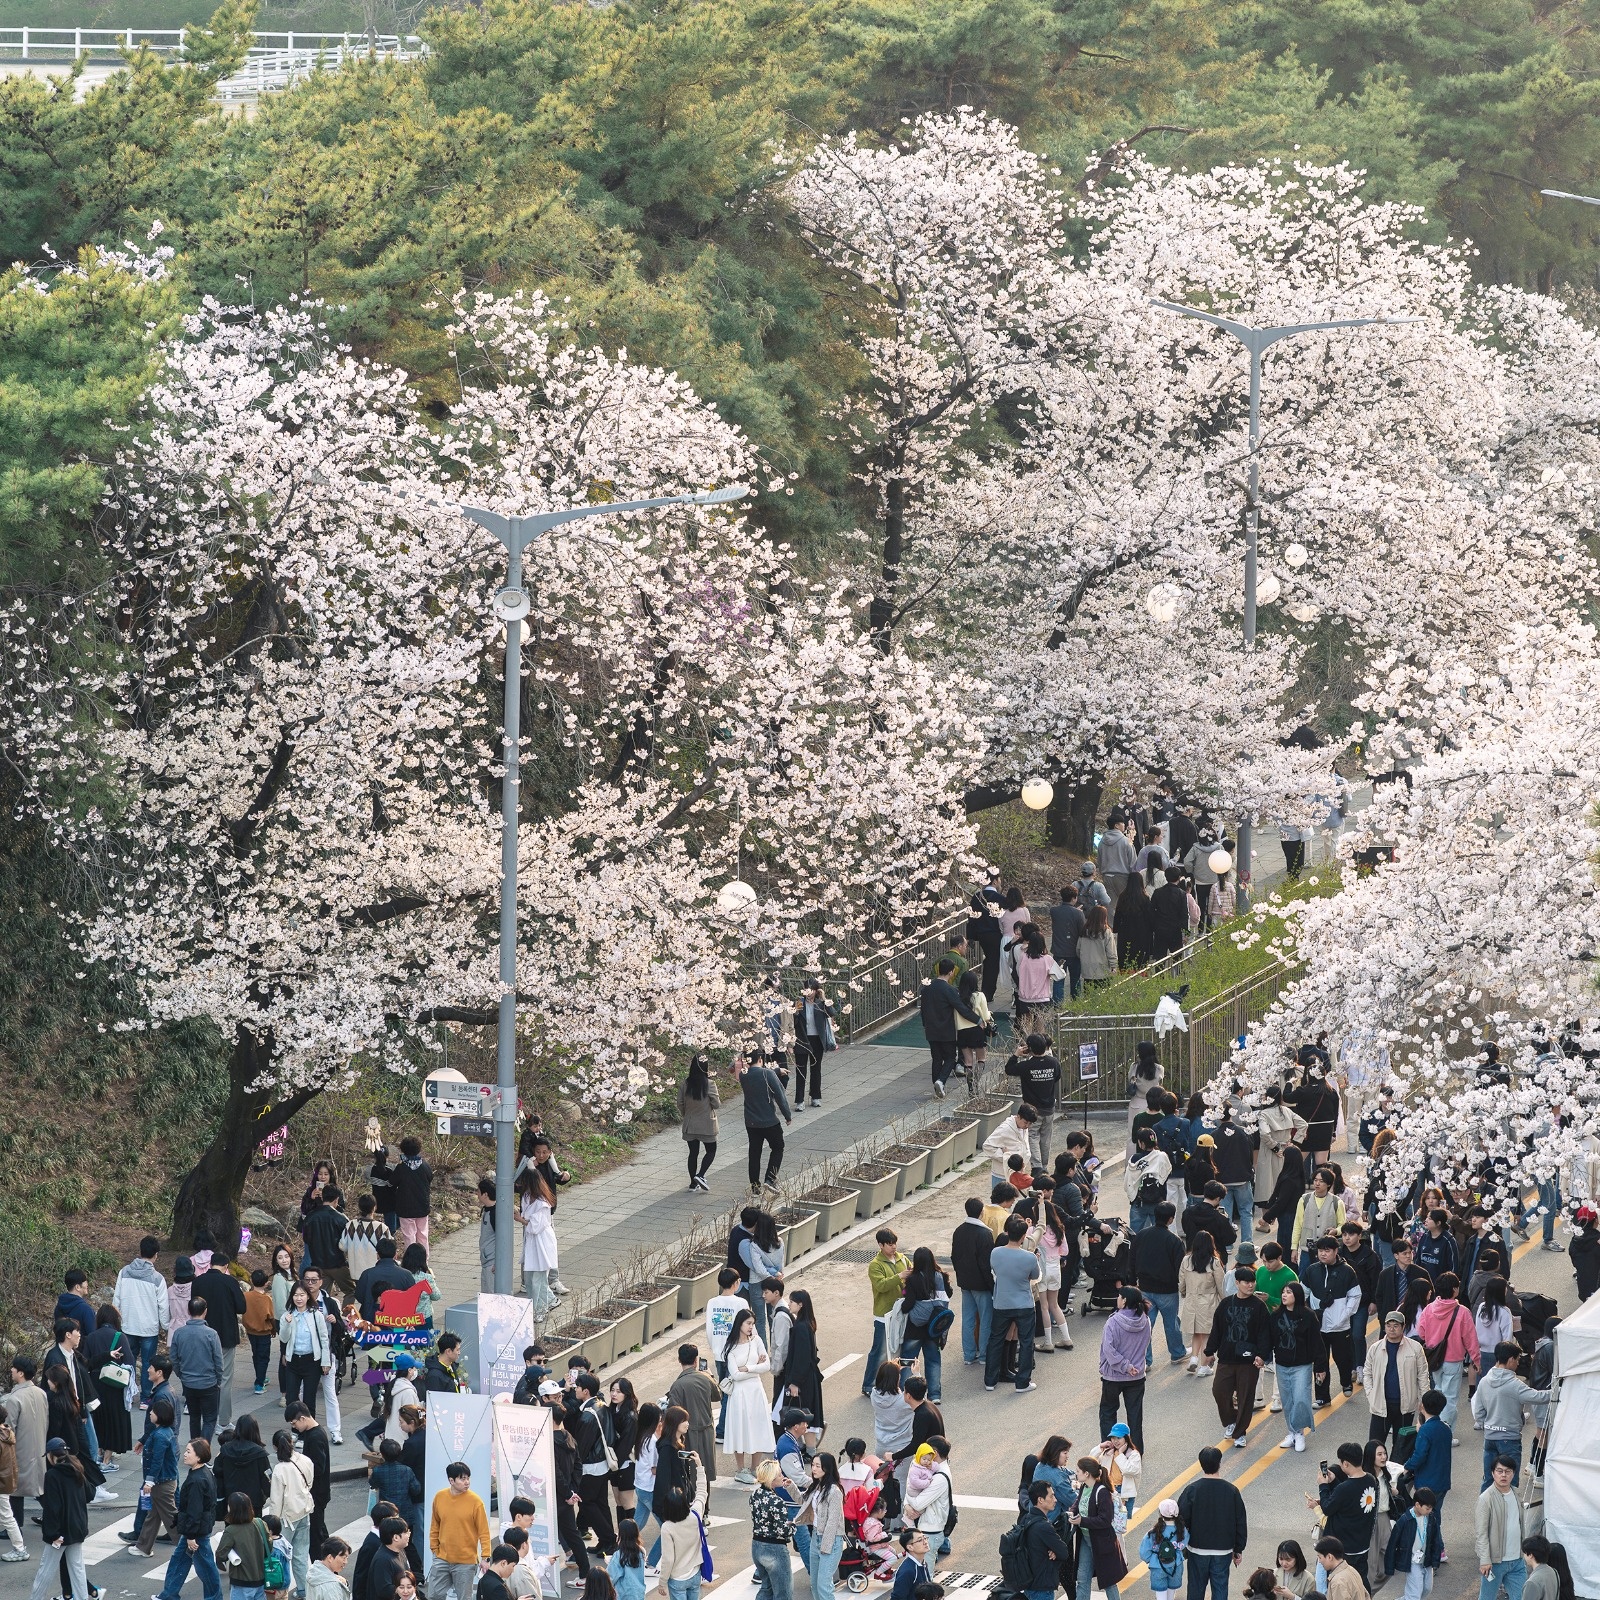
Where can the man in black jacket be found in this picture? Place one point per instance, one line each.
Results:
(587, 1427)
(439, 1376)
(384, 1273)
(1207, 1217)
(1240, 1343)
(1329, 1283)
(224, 1298)
(1155, 1259)
(322, 1230)
(1235, 1158)
(413, 1193)
(1356, 1251)
(1039, 1073)
(1169, 914)
(983, 931)
(314, 1446)
(361, 1571)
(970, 1248)
(1348, 1497)
(940, 1004)
(1394, 1282)
(492, 1584)
(197, 1511)
(568, 1483)
(1213, 1512)
(1045, 1555)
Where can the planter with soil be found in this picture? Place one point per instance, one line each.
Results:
(627, 1318)
(990, 1110)
(875, 1186)
(696, 1279)
(597, 1336)
(939, 1141)
(660, 1302)
(835, 1206)
(911, 1161)
(798, 1226)
(558, 1346)
(965, 1129)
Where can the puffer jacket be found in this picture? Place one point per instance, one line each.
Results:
(141, 1300)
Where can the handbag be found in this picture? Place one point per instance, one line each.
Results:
(707, 1570)
(274, 1569)
(894, 1327)
(118, 1373)
(830, 1040)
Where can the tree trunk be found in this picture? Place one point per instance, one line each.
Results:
(1069, 823)
(209, 1198)
(880, 616)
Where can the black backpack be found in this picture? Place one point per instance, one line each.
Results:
(1152, 1191)
(1174, 1145)
(1013, 1555)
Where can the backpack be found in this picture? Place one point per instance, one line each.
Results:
(1174, 1145)
(274, 1569)
(940, 1321)
(1152, 1191)
(1013, 1552)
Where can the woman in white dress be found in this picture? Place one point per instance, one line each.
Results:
(747, 1428)
(538, 1241)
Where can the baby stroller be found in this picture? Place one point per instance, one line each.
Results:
(868, 1555)
(1107, 1258)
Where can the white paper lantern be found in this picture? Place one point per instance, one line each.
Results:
(1220, 861)
(1267, 589)
(1297, 555)
(734, 897)
(1164, 602)
(1037, 793)
(1304, 611)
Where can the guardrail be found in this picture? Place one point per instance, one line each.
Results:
(105, 44)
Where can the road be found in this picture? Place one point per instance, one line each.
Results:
(990, 1433)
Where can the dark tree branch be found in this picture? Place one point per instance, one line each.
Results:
(243, 830)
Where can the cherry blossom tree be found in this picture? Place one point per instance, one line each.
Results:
(281, 772)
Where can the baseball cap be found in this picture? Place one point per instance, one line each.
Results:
(1087, 870)
(55, 1447)
(1395, 1316)
(1206, 1139)
(548, 1388)
(1168, 1508)
(1119, 1430)
(405, 1363)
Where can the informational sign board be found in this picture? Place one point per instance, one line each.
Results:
(505, 1330)
(477, 1127)
(460, 1428)
(525, 1464)
(1089, 1061)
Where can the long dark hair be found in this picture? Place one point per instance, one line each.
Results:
(830, 1473)
(1036, 946)
(629, 1405)
(283, 1444)
(925, 1269)
(67, 1458)
(739, 1320)
(800, 1302)
(697, 1085)
(764, 1231)
(532, 1182)
(1203, 1251)
(648, 1421)
(629, 1552)
(59, 1381)
(1096, 920)
(968, 984)
(1014, 900)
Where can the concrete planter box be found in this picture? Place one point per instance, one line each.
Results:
(833, 1215)
(941, 1156)
(913, 1167)
(990, 1119)
(875, 1188)
(696, 1285)
(599, 1339)
(627, 1318)
(660, 1301)
(799, 1235)
(965, 1144)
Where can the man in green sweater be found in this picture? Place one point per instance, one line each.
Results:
(1271, 1275)
(886, 1273)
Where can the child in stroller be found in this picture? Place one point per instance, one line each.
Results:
(869, 1553)
(1107, 1258)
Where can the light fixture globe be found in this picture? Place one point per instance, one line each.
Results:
(1164, 602)
(1267, 589)
(1220, 861)
(734, 897)
(1296, 556)
(1037, 793)
(1304, 611)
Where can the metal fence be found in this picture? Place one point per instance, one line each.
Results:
(1189, 1060)
(107, 44)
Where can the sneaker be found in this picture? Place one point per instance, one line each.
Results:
(938, 1091)
(558, 1288)
(260, 1388)
(988, 1388)
(14, 1555)
(111, 1466)
(1194, 1363)
(745, 1476)
(128, 1538)
(102, 1496)
(1227, 1433)
(1026, 1388)
(1205, 1372)
(1300, 1442)
(1178, 1361)
(1560, 1249)
(799, 1105)
(1240, 1443)
(1287, 1441)
(816, 1105)
(338, 1439)
(1345, 1391)
(1277, 1405)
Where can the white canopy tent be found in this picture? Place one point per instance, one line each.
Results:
(1572, 1468)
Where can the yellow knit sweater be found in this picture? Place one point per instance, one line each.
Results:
(459, 1528)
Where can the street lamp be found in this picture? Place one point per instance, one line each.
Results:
(1256, 341)
(1163, 602)
(1037, 793)
(735, 897)
(512, 604)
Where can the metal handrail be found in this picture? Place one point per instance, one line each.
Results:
(69, 43)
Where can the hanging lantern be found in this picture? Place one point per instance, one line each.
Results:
(1037, 793)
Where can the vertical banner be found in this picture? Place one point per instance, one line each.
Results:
(505, 1330)
(460, 1428)
(1089, 1061)
(525, 1463)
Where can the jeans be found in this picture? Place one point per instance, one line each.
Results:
(1166, 1306)
(977, 1312)
(1208, 1569)
(1129, 1394)
(201, 1404)
(823, 1567)
(1419, 1583)
(1004, 1320)
(880, 1340)
(932, 1362)
(299, 1536)
(1240, 1204)
(142, 1349)
(261, 1356)
(1294, 1389)
(46, 1579)
(1086, 1574)
(1140, 1217)
(684, 1588)
(1448, 1383)
(774, 1576)
(1513, 1574)
(247, 1591)
(203, 1562)
(1493, 1449)
(642, 1501)
(92, 1439)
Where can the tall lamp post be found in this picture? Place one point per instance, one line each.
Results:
(1256, 342)
(512, 605)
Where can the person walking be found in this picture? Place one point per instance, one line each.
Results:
(1239, 1343)
(242, 1550)
(1235, 1158)
(1015, 1267)
(1498, 1533)
(1039, 1082)
(413, 1195)
(939, 1005)
(159, 1466)
(242, 1466)
(678, 1569)
(1117, 862)
(1201, 1287)
(813, 1039)
(1416, 1546)
(1344, 1581)
(698, 1104)
(458, 1535)
(1032, 969)
(1097, 947)
(64, 1524)
(1497, 1408)
(1297, 1351)
(1213, 1512)
(199, 1364)
(1144, 1180)
(1132, 925)
(1333, 1293)
(1067, 923)
(224, 1298)
(1156, 1262)
(825, 1503)
(140, 1297)
(197, 1512)
(1395, 1377)
(27, 1411)
(766, 1110)
(1124, 1358)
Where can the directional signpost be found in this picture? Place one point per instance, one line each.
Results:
(461, 1106)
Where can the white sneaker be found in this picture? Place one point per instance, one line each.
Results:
(1287, 1441)
(1300, 1442)
(1227, 1433)
(1205, 1372)
(938, 1091)
(102, 1496)
(1277, 1405)
(1194, 1364)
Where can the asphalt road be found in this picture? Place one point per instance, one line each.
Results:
(990, 1433)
